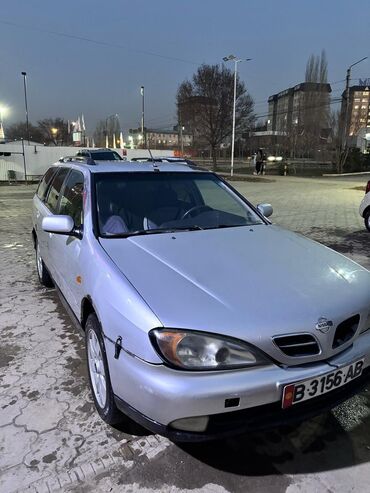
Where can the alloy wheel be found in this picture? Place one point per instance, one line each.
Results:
(96, 369)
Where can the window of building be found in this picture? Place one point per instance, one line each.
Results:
(356, 107)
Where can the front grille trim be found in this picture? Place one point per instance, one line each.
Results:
(345, 331)
(302, 342)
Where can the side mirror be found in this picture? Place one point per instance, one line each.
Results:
(61, 225)
(265, 209)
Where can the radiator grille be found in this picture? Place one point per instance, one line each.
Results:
(297, 345)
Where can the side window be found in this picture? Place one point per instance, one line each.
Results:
(71, 199)
(54, 190)
(45, 182)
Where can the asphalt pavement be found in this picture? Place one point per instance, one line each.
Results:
(52, 439)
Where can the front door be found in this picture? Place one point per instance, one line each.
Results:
(66, 250)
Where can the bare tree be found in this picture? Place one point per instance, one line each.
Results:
(315, 107)
(18, 131)
(205, 105)
(54, 131)
(108, 127)
(336, 137)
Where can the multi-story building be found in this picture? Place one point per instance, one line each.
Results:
(294, 105)
(358, 116)
(161, 139)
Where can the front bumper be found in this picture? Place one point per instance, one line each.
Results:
(155, 395)
(251, 420)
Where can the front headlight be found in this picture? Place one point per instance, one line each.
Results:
(191, 350)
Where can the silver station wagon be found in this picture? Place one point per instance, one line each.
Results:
(202, 319)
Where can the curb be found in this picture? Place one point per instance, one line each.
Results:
(336, 175)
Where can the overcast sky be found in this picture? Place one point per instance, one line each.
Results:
(160, 43)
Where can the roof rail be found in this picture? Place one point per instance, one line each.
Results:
(77, 159)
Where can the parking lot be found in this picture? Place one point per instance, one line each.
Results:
(50, 436)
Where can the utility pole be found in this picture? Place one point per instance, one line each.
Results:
(26, 105)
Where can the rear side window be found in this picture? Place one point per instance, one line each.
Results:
(45, 182)
(54, 190)
(71, 199)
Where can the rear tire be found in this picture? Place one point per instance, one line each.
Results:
(42, 272)
(367, 219)
(97, 367)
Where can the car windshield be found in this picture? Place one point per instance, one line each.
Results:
(148, 203)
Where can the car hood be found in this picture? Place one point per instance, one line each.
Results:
(251, 283)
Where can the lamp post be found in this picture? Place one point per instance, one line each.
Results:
(54, 132)
(142, 115)
(236, 61)
(26, 104)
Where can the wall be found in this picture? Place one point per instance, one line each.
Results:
(38, 158)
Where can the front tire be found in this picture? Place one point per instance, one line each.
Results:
(97, 366)
(42, 272)
(367, 219)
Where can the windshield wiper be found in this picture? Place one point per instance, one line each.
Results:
(142, 232)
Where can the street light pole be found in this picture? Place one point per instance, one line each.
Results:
(233, 136)
(24, 162)
(26, 104)
(142, 116)
(236, 61)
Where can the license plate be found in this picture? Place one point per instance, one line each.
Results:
(308, 389)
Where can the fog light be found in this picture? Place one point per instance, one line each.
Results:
(198, 423)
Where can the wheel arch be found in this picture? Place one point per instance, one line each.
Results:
(34, 237)
(366, 210)
(87, 307)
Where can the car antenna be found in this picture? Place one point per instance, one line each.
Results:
(155, 167)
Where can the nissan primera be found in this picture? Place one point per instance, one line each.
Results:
(201, 318)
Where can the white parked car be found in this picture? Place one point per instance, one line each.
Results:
(365, 206)
(201, 318)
